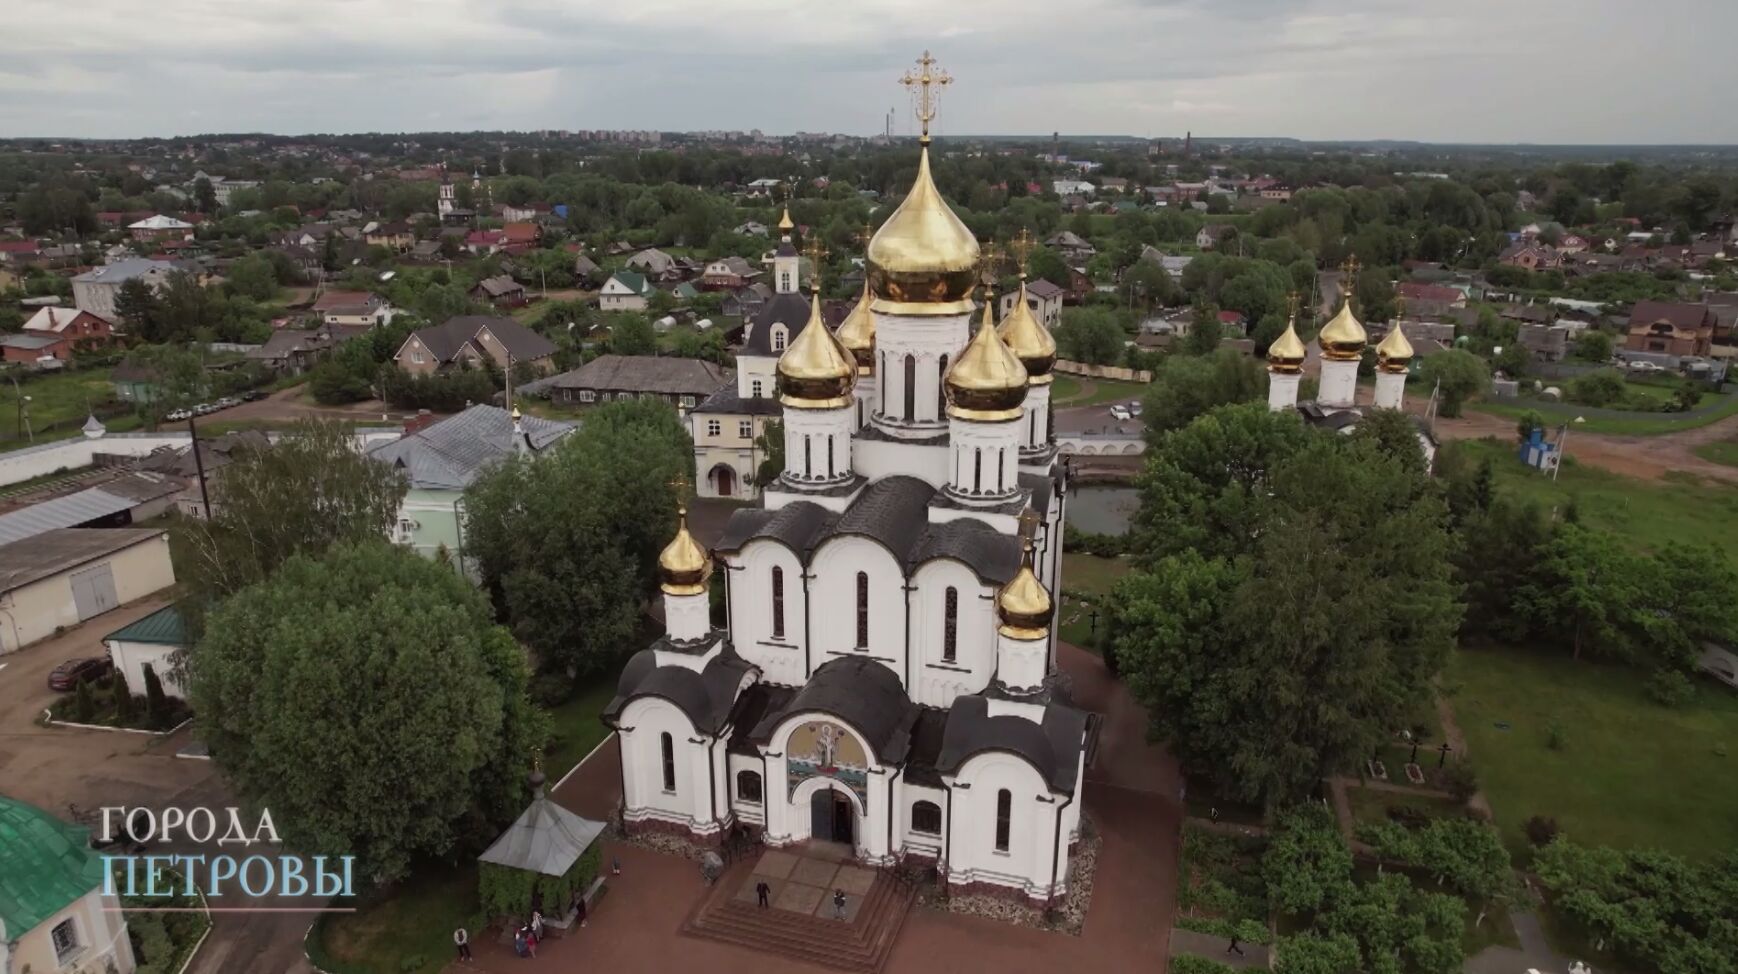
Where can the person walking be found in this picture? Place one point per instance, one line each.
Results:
(838, 904)
(1234, 949)
(537, 923)
(615, 865)
(531, 942)
(462, 943)
(762, 893)
(519, 941)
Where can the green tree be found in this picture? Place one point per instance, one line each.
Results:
(1655, 911)
(204, 195)
(771, 446)
(1458, 375)
(1206, 331)
(253, 276)
(1090, 335)
(1047, 265)
(137, 308)
(84, 705)
(567, 542)
(1306, 864)
(1601, 387)
(1185, 387)
(156, 702)
(123, 697)
(1593, 346)
(1394, 435)
(310, 490)
(1587, 590)
(425, 731)
(631, 334)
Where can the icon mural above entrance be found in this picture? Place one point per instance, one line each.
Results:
(824, 749)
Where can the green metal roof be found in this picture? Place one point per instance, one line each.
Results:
(634, 280)
(163, 626)
(44, 865)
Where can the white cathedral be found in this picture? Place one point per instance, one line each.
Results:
(887, 675)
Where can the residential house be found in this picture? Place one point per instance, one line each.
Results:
(1545, 343)
(71, 328)
(39, 351)
(585, 269)
(1071, 187)
(215, 454)
(499, 291)
(54, 913)
(1043, 297)
(682, 382)
(1670, 328)
(20, 253)
(652, 262)
(748, 301)
(1073, 247)
(1430, 299)
(472, 338)
(1208, 237)
(56, 578)
(1572, 243)
(293, 351)
(354, 309)
(95, 290)
(442, 458)
(395, 236)
(1173, 266)
(728, 274)
(153, 643)
(1531, 256)
(752, 228)
(160, 227)
(624, 291)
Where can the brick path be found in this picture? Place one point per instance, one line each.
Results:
(1131, 795)
(1206, 945)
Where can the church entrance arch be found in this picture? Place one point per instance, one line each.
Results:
(832, 818)
(723, 480)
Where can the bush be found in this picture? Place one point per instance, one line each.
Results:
(1460, 780)
(1556, 738)
(1191, 964)
(1411, 816)
(156, 703)
(1669, 688)
(1601, 387)
(1540, 830)
(84, 706)
(550, 689)
(123, 699)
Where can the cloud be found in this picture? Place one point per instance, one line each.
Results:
(1458, 70)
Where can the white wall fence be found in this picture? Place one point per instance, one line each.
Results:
(1103, 371)
(1084, 445)
(79, 452)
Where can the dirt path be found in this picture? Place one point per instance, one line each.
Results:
(289, 404)
(1645, 457)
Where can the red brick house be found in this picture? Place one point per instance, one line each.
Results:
(1670, 328)
(55, 333)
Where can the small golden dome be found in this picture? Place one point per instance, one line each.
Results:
(1286, 355)
(987, 382)
(857, 333)
(1023, 604)
(1394, 352)
(815, 371)
(516, 413)
(921, 261)
(1343, 339)
(1029, 339)
(784, 222)
(683, 565)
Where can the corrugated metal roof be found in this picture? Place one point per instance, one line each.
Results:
(55, 551)
(44, 865)
(121, 494)
(546, 839)
(453, 452)
(163, 627)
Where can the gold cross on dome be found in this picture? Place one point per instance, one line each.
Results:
(816, 253)
(990, 260)
(679, 484)
(925, 86)
(1350, 266)
(866, 234)
(1399, 304)
(1021, 247)
(1292, 300)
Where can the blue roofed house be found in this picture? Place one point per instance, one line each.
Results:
(442, 458)
(53, 914)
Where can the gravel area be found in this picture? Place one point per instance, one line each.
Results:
(1067, 919)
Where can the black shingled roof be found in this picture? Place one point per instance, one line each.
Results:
(1053, 747)
(790, 308)
(706, 697)
(862, 693)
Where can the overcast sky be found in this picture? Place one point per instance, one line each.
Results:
(1587, 71)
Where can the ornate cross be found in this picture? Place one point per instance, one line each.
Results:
(865, 235)
(815, 253)
(1021, 247)
(1028, 525)
(1350, 266)
(679, 484)
(1399, 306)
(989, 260)
(1292, 299)
(925, 86)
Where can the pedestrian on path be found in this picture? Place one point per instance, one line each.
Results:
(462, 943)
(536, 923)
(615, 865)
(1234, 949)
(838, 904)
(762, 893)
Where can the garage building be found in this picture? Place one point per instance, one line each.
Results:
(62, 577)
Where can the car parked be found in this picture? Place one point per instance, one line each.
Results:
(253, 395)
(71, 673)
(1119, 412)
(178, 415)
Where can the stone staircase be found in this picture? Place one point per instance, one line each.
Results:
(861, 945)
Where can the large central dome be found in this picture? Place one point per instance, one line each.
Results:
(922, 260)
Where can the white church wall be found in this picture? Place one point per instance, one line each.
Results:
(787, 816)
(833, 596)
(756, 375)
(939, 680)
(972, 853)
(781, 658)
(906, 797)
(876, 459)
(748, 809)
(985, 458)
(643, 723)
(927, 340)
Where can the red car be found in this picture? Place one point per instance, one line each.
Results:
(75, 671)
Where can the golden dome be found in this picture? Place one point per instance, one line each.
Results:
(921, 261)
(1029, 339)
(1394, 352)
(516, 413)
(683, 565)
(1343, 339)
(1286, 355)
(857, 333)
(815, 371)
(784, 222)
(1023, 604)
(987, 381)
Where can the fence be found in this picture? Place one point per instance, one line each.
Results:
(1116, 372)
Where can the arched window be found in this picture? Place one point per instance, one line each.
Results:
(910, 388)
(778, 602)
(778, 338)
(926, 818)
(669, 745)
(755, 388)
(862, 610)
(950, 624)
(941, 390)
(748, 787)
(1004, 818)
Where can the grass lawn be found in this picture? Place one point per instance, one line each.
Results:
(1103, 391)
(407, 929)
(1064, 388)
(1642, 424)
(1646, 513)
(1370, 807)
(1086, 581)
(61, 397)
(1632, 774)
(1725, 451)
(575, 727)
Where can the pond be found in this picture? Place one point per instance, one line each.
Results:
(1102, 510)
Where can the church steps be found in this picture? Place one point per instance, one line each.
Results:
(861, 946)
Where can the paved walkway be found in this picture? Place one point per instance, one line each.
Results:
(1130, 796)
(1535, 952)
(1206, 945)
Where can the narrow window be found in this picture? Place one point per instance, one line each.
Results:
(926, 818)
(808, 457)
(977, 471)
(941, 390)
(862, 610)
(778, 602)
(670, 762)
(748, 787)
(1004, 818)
(1001, 471)
(910, 388)
(755, 388)
(830, 473)
(950, 625)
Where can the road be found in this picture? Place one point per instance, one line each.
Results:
(291, 404)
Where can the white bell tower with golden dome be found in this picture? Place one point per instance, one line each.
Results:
(816, 378)
(1024, 610)
(1393, 362)
(1342, 341)
(857, 334)
(1033, 345)
(986, 390)
(1285, 359)
(683, 568)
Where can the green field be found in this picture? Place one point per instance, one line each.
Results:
(64, 397)
(1630, 773)
(407, 929)
(1091, 578)
(1370, 807)
(576, 727)
(1723, 452)
(1648, 514)
(1070, 390)
(1642, 424)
